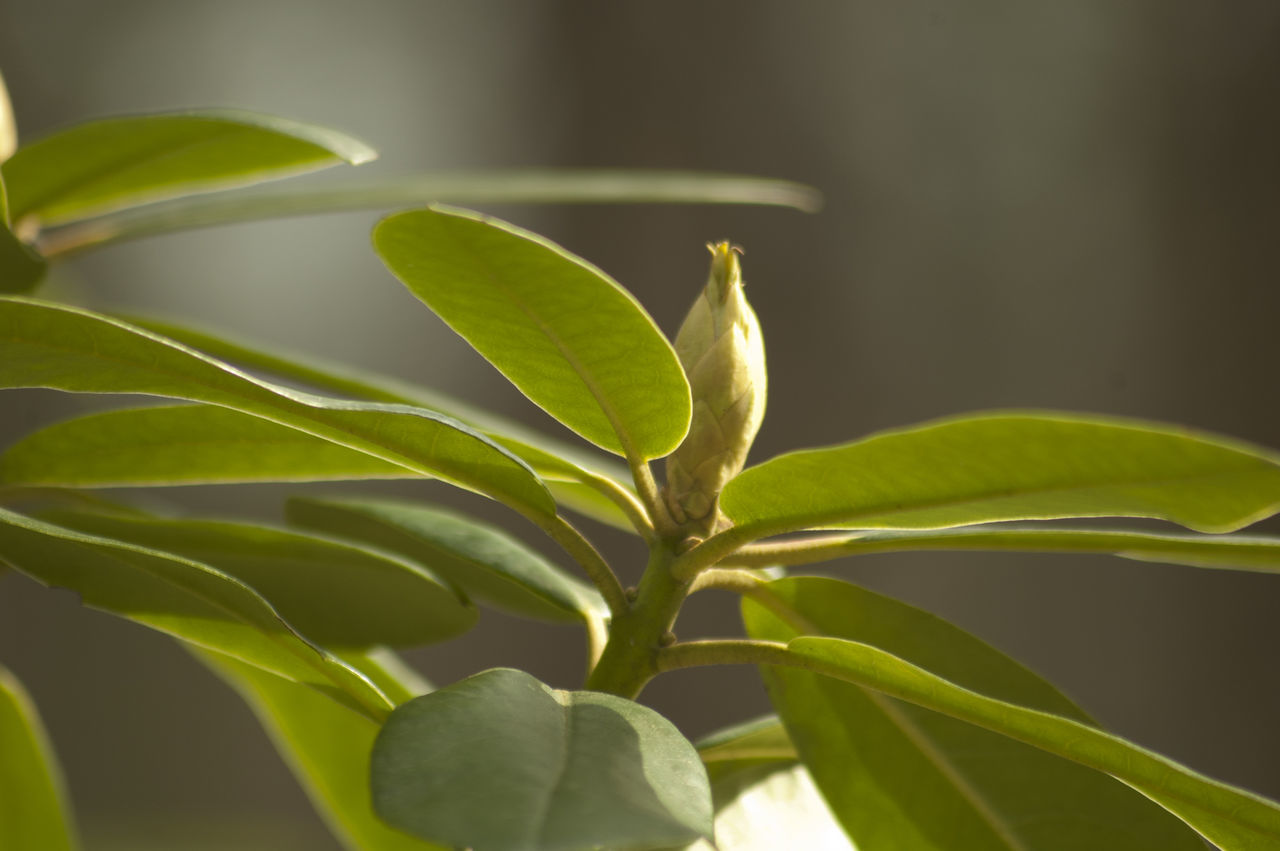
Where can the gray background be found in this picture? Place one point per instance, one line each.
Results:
(1062, 205)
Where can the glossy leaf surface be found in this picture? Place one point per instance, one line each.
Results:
(335, 594)
(32, 809)
(1233, 552)
(900, 776)
(183, 598)
(487, 564)
(572, 340)
(49, 345)
(992, 467)
(501, 761)
(104, 165)
(327, 747)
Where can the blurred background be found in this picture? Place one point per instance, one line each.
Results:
(1031, 204)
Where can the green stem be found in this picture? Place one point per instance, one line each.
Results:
(586, 555)
(709, 553)
(728, 651)
(638, 635)
(727, 579)
(630, 505)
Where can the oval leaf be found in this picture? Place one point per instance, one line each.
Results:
(183, 598)
(892, 770)
(105, 165)
(327, 746)
(60, 347)
(572, 340)
(501, 761)
(984, 468)
(487, 564)
(335, 594)
(32, 809)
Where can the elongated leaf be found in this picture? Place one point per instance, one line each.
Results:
(120, 162)
(327, 747)
(573, 341)
(752, 743)
(489, 565)
(183, 598)
(335, 594)
(181, 445)
(21, 268)
(32, 809)
(501, 761)
(991, 467)
(1233, 552)
(555, 461)
(506, 186)
(899, 776)
(48, 345)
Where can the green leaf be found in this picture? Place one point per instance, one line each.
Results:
(779, 808)
(106, 165)
(572, 340)
(181, 445)
(32, 809)
(991, 467)
(563, 466)
(899, 776)
(21, 268)
(501, 761)
(335, 594)
(488, 565)
(327, 747)
(60, 347)
(180, 597)
(1234, 552)
(491, 186)
(762, 741)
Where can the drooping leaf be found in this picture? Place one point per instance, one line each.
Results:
(327, 747)
(572, 340)
(1014, 466)
(1227, 816)
(1233, 552)
(505, 186)
(501, 761)
(112, 163)
(61, 347)
(33, 813)
(486, 563)
(900, 776)
(180, 597)
(335, 594)
(21, 268)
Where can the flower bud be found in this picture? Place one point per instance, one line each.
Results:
(722, 352)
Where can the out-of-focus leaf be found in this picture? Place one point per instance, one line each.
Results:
(21, 268)
(501, 761)
(504, 186)
(105, 165)
(570, 338)
(1008, 466)
(327, 747)
(900, 776)
(32, 809)
(779, 808)
(487, 564)
(61, 347)
(335, 594)
(8, 127)
(183, 598)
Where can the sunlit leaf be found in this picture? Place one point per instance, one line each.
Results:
(485, 562)
(1014, 466)
(327, 747)
(501, 761)
(571, 339)
(56, 346)
(183, 598)
(900, 776)
(104, 165)
(335, 594)
(779, 808)
(32, 809)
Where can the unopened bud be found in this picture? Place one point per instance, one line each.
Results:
(722, 352)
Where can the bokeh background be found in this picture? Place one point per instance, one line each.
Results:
(1032, 204)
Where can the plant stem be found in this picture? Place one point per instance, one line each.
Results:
(709, 552)
(651, 497)
(635, 510)
(728, 651)
(586, 555)
(728, 579)
(637, 635)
